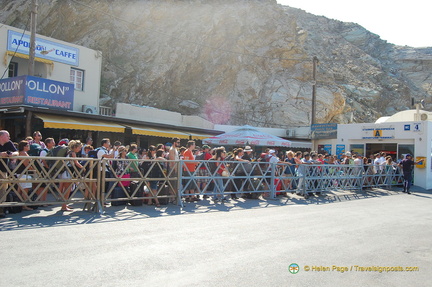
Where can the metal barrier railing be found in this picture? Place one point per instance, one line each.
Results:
(270, 179)
(118, 181)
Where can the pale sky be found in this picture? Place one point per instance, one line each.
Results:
(400, 22)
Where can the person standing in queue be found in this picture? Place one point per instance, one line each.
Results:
(172, 168)
(7, 148)
(103, 153)
(407, 167)
(189, 169)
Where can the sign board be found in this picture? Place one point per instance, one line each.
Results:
(44, 49)
(324, 131)
(378, 132)
(37, 92)
(357, 148)
(416, 127)
(340, 150)
(328, 148)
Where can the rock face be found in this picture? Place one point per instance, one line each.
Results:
(236, 62)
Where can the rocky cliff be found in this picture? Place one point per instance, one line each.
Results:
(236, 62)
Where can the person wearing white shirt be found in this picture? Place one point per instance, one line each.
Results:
(105, 152)
(382, 162)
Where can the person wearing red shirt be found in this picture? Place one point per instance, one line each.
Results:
(189, 170)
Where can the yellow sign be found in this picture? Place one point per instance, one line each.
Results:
(421, 164)
(377, 133)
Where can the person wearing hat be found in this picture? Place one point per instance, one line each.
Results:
(248, 153)
(407, 167)
(273, 158)
(348, 158)
(64, 141)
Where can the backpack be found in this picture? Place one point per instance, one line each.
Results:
(93, 153)
(58, 151)
(35, 150)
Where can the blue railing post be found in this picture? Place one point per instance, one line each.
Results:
(272, 182)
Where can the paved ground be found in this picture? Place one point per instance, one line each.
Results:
(241, 243)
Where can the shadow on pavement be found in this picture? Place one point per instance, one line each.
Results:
(52, 216)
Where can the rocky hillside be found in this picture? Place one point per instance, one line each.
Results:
(236, 62)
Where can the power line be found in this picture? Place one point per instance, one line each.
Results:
(19, 43)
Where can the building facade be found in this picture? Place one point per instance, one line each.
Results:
(56, 62)
(407, 132)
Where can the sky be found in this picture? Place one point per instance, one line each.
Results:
(403, 22)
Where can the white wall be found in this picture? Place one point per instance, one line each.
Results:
(153, 115)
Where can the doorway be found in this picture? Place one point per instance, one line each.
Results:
(389, 148)
(404, 149)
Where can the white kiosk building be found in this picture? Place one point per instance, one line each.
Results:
(405, 132)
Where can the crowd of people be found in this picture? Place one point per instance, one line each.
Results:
(219, 162)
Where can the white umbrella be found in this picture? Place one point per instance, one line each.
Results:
(247, 135)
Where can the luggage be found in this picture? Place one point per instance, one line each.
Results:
(118, 192)
(278, 186)
(257, 185)
(163, 192)
(12, 197)
(139, 193)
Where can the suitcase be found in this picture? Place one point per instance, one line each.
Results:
(118, 192)
(139, 193)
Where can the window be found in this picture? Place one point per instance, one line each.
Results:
(77, 79)
(13, 69)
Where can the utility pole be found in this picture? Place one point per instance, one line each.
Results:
(32, 50)
(315, 62)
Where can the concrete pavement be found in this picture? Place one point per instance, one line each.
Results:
(241, 243)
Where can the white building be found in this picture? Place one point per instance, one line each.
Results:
(405, 132)
(55, 61)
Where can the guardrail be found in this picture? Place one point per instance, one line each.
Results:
(100, 182)
(262, 178)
